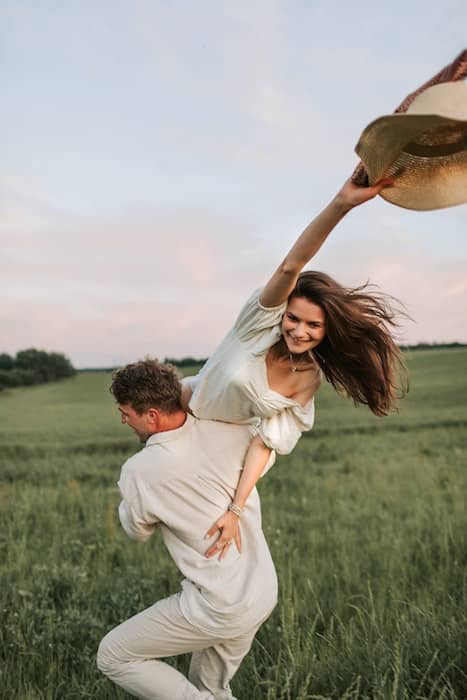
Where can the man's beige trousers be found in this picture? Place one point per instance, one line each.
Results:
(129, 654)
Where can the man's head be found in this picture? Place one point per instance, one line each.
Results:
(148, 394)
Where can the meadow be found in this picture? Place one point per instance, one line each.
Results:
(366, 521)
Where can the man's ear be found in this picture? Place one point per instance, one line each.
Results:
(153, 416)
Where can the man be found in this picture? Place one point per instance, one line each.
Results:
(180, 483)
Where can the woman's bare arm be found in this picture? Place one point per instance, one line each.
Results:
(256, 459)
(310, 241)
(185, 397)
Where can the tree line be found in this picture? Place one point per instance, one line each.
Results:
(433, 346)
(185, 361)
(33, 366)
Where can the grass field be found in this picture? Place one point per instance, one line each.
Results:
(366, 522)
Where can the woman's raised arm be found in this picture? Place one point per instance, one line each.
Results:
(310, 241)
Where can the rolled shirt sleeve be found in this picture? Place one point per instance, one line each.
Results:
(136, 510)
(135, 527)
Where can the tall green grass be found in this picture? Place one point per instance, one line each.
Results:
(366, 522)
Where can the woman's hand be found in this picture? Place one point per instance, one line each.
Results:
(351, 195)
(229, 531)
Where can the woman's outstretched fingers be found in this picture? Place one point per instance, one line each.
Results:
(213, 549)
(225, 549)
(212, 531)
(220, 547)
(384, 182)
(227, 527)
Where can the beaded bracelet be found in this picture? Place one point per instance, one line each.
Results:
(235, 509)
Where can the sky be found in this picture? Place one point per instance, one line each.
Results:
(159, 158)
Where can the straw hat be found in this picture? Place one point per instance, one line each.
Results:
(424, 150)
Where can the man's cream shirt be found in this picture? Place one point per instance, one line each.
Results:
(180, 483)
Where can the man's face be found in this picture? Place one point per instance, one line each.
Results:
(139, 422)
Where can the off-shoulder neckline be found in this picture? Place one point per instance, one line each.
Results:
(286, 399)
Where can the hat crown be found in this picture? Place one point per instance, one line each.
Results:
(446, 100)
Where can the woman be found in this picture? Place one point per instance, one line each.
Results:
(298, 328)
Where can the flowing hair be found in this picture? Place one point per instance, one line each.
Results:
(358, 355)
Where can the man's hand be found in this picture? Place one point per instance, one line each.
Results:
(227, 527)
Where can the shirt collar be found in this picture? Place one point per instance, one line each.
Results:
(166, 435)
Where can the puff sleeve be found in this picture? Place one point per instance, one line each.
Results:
(283, 429)
(255, 318)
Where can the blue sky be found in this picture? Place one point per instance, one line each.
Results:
(158, 159)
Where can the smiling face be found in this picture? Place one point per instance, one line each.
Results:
(303, 325)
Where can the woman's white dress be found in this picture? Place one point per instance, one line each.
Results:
(233, 386)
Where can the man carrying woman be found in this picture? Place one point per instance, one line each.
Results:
(179, 484)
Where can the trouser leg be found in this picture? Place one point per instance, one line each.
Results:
(128, 654)
(213, 668)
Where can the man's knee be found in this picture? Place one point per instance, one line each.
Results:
(107, 660)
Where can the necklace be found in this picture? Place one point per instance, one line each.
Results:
(293, 368)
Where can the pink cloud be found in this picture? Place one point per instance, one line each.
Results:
(170, 281)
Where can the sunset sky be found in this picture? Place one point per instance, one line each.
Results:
(159, 158)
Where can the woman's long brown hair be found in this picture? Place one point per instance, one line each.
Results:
(358, 356)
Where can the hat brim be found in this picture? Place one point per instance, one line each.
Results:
(425, 155)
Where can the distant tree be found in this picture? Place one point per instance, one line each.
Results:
(60, 366)
(24, 377)
(5, 378)
(46, 366)
(6, 361)
(35, 360)
(17, 377)
(433, 346)
(33, 366)
(185, 361)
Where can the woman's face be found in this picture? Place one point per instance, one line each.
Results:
(303, 325)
